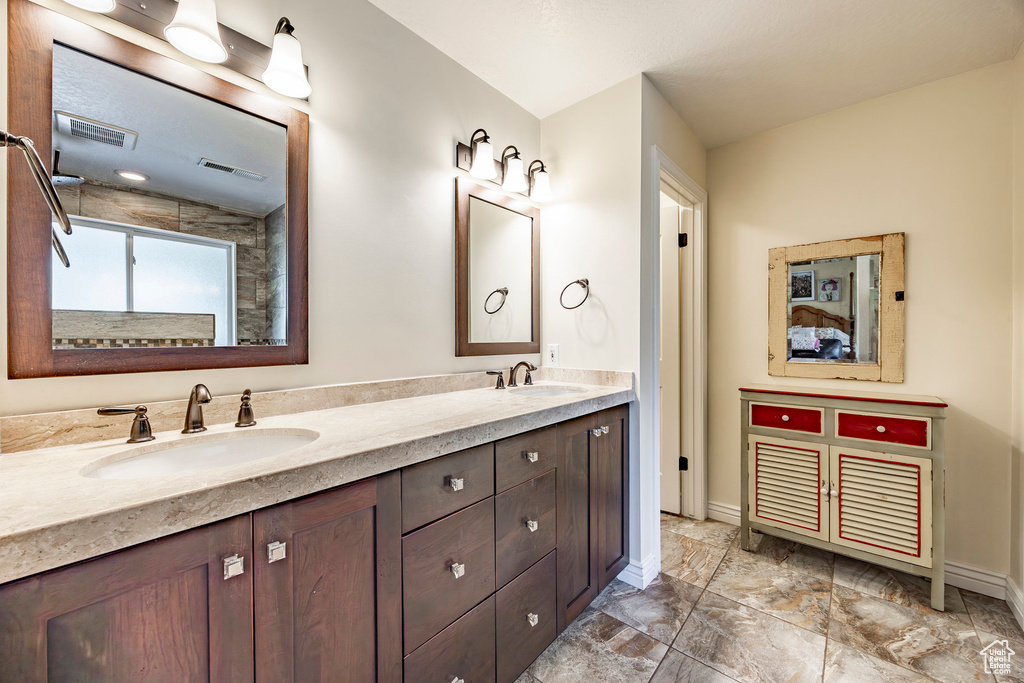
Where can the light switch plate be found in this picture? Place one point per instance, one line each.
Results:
(553, 355)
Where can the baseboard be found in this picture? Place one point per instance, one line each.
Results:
(723, 512)
(1015, 599)
(992, 584)
(639, 575)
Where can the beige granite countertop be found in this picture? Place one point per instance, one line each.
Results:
(51, 515)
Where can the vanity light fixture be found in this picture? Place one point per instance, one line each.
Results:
(540, 183)
(513, 179)
(132, 175)
(285, 73)
(102, 6)
(483, 156)
(195, 32)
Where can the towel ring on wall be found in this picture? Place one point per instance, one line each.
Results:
(504, 295)
(582, 282)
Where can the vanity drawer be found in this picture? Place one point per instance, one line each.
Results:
(906, 431)
(463, 651)
(525, 615)
(439, 487)
(435, 591)
(524, 457)
(518, 547)
(790, 418)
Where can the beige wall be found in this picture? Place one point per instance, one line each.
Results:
(934, 162)
(385, 114)
(1017, 372)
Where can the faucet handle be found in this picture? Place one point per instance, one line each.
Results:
(142, 431)
(246, 418)
(500, 384)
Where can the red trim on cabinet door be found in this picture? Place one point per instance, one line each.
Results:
(842, 397)
(757, 486)
(876, 545)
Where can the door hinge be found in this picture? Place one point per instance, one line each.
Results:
(684, 463)
(683, 239)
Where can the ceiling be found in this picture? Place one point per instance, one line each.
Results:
(730, 68)
(176, 129)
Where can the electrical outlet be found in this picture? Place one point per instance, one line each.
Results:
(553, 355)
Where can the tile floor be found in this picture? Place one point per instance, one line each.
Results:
(784, 612)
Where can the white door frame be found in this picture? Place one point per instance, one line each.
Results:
(694, 350)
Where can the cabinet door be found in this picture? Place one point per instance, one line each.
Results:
(787, 485)
(611, 465)
(882, 504)
(161, 611)
(576, 519)
(328, 585)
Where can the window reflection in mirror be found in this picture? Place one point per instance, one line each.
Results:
(833, 310)
(500, 274)
(178, 208)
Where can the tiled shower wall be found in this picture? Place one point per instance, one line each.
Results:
(250, 234)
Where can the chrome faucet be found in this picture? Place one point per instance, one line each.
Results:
(194, 413)
(530, 367)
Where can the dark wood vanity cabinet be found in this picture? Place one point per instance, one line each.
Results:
(466, 566)
(177, 609)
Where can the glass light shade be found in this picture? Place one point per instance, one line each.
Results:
(285, 73)
(514, 180)
(541, 191)
(94, 5)
(195, 32)
(483, 161)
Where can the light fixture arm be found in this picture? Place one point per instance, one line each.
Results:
(506, 155)
(45, 184)
(473, 139)
(529, 171)
(284, 26)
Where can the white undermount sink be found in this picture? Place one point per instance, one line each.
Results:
(209, 453)
(548, 390)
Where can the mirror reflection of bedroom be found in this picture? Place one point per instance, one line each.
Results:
(833, 310)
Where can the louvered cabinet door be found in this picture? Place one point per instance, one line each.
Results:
(787, 480)
(882, 504)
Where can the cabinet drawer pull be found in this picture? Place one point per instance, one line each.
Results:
(599, 431)
(824, 490)
(532, 456)
(233, 566)
(532, 619)
(785, 418)
(458, 680)
(833, 492)
(459, 570)
(881, 429)
(276, 551)
(532, 525)
(456, 484)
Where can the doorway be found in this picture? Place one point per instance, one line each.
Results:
(676, 229)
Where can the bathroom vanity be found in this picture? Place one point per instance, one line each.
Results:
(459, 567)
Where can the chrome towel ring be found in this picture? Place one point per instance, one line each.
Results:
(582, 282)
(504, 295)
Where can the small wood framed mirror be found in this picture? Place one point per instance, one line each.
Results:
(835, 309)
(497, 273)
(188, 200)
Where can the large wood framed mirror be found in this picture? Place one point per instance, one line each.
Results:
(497, 272)
(188, 199)
(835, 309)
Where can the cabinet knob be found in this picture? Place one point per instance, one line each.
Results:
(459, 570)
(599, 431)
(532, 456)
(276, 551)
(785, 418)
(456, 484)
(233, 566)
(833, 492)
(532, 525)
(823, 490)
(458, 680)
(532, 619)
(881, 429)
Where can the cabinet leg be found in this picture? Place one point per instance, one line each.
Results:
(939, 589)
(745, 537)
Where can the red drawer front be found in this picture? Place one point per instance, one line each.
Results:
(786, 417)
(884, 428)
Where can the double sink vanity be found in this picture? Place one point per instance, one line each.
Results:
(435, 537)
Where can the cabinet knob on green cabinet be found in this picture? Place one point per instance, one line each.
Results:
(532, 456)
(276, 551)
(456, 484)
(532, 619)
(459, 570)
(233, 566)
(532, 525)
